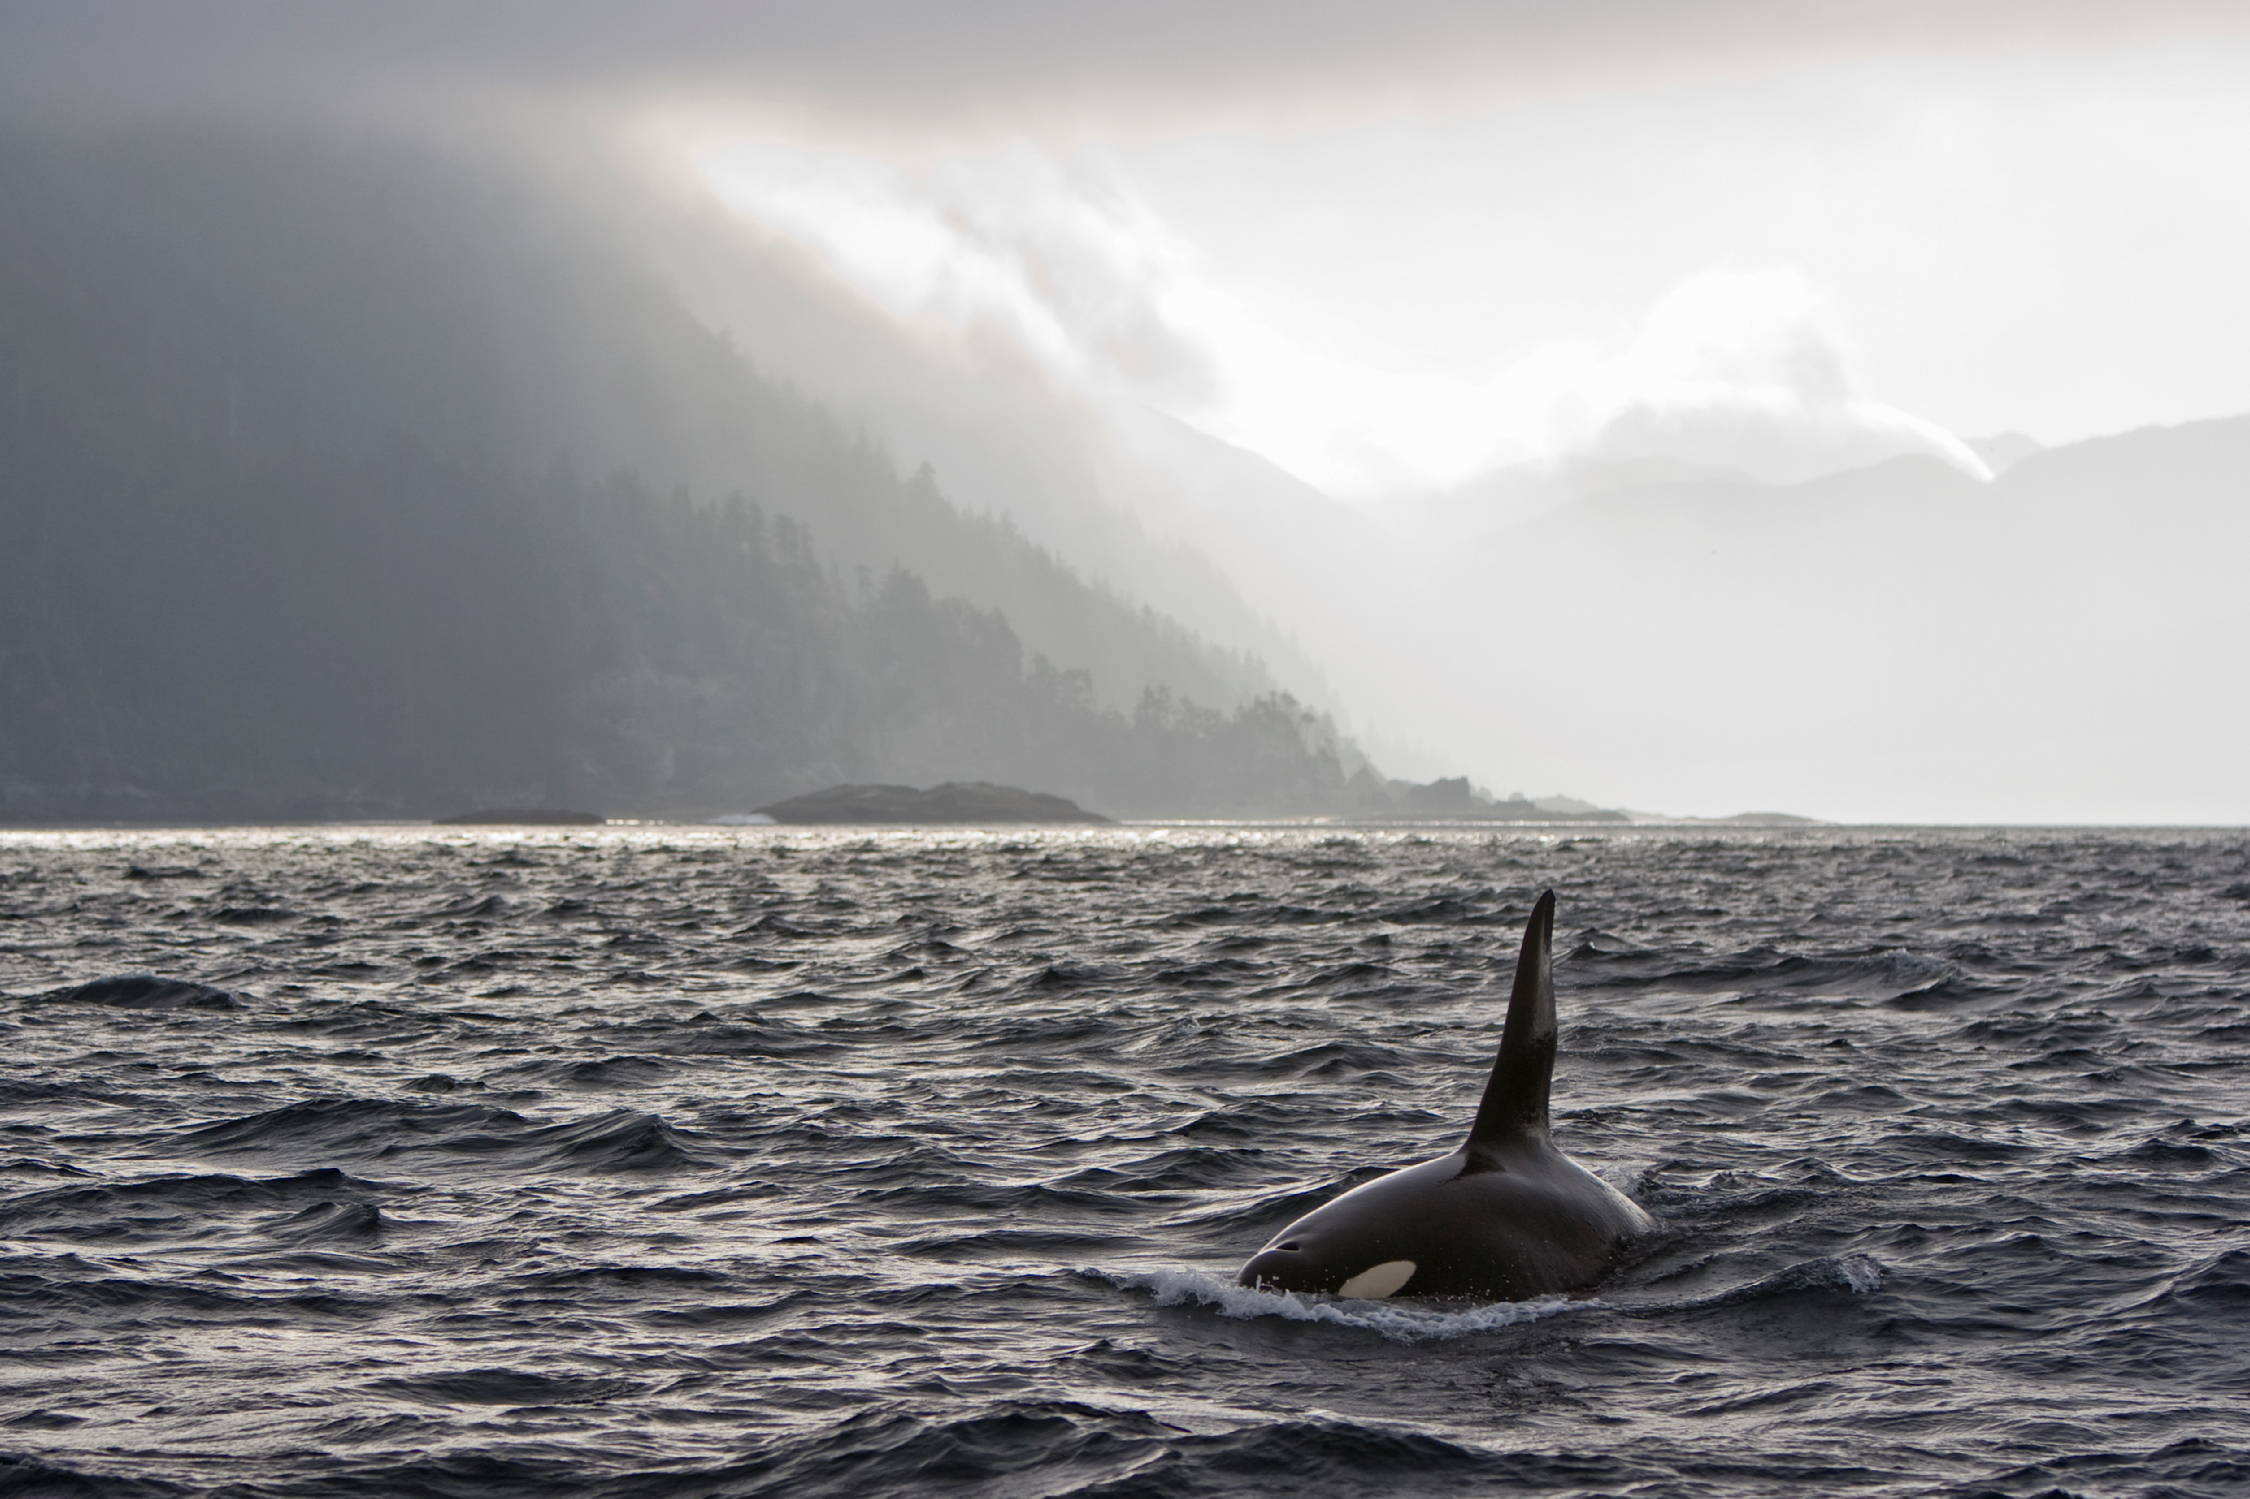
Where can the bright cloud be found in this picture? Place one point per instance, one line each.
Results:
(1751, 371)
(1059, 257)
(1746, 370)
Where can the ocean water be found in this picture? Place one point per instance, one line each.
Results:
(766, 1161)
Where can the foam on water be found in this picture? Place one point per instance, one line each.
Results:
(1400, 1321)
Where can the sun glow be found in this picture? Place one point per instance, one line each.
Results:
(1743, 369)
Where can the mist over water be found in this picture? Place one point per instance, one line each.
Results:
(678, 1161)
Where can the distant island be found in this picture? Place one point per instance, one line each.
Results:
(1763, 820)
(953, 802)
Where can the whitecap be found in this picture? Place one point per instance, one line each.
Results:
(1404, 1322)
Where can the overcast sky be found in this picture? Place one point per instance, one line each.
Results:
(1394, 246)
(1946, 234)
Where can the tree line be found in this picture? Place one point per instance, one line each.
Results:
(294, 632)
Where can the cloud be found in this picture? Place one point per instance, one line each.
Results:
(1748, 371)
(1060, 256)
(1744, 370)
(1741, 370)
(1057, 254)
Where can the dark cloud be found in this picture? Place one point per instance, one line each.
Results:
(962, 64)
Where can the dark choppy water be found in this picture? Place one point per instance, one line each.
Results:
(682, 1162)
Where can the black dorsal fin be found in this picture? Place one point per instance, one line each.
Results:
(1514, 1110)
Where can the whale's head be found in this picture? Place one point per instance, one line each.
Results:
(1362, 1244)
(1298, 1262)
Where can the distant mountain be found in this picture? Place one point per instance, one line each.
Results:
(273, 633)
(2004, 450)
(343, 480)
(1990, 649)
(1009, 439)
(250, 286)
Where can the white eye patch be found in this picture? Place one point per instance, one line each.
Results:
(1383, 1280)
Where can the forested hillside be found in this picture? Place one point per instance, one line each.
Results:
(242, 286)
(344, 480)
(409, 634)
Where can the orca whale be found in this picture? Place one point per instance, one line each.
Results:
(1505, 1217)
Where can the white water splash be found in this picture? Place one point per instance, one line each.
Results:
(1401, 1321)
(1860, 1273)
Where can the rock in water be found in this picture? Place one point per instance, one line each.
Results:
(953, 802)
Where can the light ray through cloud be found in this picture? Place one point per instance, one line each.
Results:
(1743, 369)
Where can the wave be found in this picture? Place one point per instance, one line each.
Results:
(1852, 1274)
(590, 1073)
(376, 1129)
(508, 1387)
(364, 1127)
(331, 1222)
(174, 1205)
(621, 1140)
(145, 991)
(2217, 1289)
(21, 1473)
